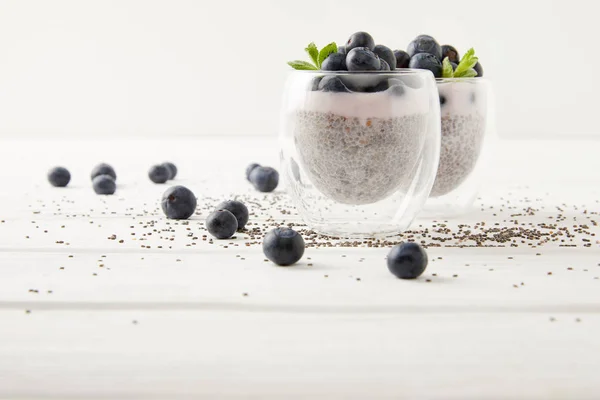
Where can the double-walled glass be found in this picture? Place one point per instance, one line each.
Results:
(360, 162)
(467, 125)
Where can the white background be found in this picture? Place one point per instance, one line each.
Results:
(147, 68)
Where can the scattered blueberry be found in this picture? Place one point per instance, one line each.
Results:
(360, 39)
(264, 179)
(427, 61)
(451, 53)
(362, 59)
(424, 44)
(479, 69)
(283, 246)
(342, 49)
(159, 173)
(249, 169)
(402, 58)
(407, 260)
(59, 176)
(172, 169)
(334, 62)
(384, 65)
(442, 100)
(222, 224)
(104, 169)
(238, 209)
(386, 54)
(104, 184)
(178, 202)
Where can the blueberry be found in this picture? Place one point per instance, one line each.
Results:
(397, 87)
(222, 224)
(451, 53)
(479, 69)
(314, 83)
(412, 81)
(172, 169)
(238, 209)
(381, 86)
(402, 58)
(249, 169)
(264, 179)
(342, 49)
(424, 44)
(104, 184)
(360, 39)
(104, 169)
(59, 177)
(333, 84)
(178, 202)
(386, 54)
(427, 61)
(407, 260)
(334, 62)
(384, 65)
(442, 100)
(283, 246)
(362, 59)
(159, 173)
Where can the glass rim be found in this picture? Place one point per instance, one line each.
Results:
(458, 80)
(397, 71)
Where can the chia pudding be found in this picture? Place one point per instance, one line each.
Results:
(359, 147)
(463, 105)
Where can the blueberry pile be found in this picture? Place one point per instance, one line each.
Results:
(264, 179)
(361, 54)
(424, 52)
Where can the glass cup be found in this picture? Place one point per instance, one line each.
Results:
(360, 151)
(466, 112)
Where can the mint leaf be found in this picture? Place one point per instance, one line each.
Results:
(470, 73)
(313, 52)
(302, 65)
(467, 62)
(325, 52)
(447, 71)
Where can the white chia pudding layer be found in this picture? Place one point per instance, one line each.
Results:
(356, 160)
(463, 111)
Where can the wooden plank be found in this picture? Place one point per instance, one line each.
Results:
(182, 354)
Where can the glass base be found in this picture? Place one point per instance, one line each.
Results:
(357, 230)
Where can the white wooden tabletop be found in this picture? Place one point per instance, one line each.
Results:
(102, 297)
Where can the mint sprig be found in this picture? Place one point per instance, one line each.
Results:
(447, 71)
(317, 57)
(302, 65)
(326, 51)
(465, 67)
(313, 52)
